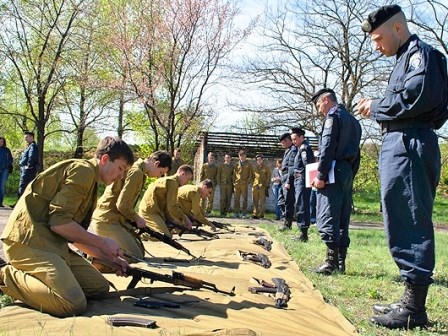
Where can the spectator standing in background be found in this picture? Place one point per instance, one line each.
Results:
(225, 181)
(276, 179)
(209, 171)
(6, 161)
(176, 162)
(260, 187)
(242, 177)
(29, 163)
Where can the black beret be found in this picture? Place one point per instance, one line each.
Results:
(284, 136)
(28, 133)
(378, 17)
(320, 92)
(297, 130)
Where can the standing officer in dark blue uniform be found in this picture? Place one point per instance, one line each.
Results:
(339, 145)
(303, 157)
(286, 198)
(29, 162)
(415, 103)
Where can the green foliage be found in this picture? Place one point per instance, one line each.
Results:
(444, 175)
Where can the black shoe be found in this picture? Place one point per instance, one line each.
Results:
(401, 317)
(331, 264)
(302, 238)
(411, 311)
(254, 217)
(2, 206)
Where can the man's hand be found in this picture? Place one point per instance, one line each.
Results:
(318, 184)
(188, 223)
(364, 107)
(287, 186)
(140, 222)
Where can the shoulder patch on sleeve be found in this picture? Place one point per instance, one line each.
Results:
(304, 155)
(328, 123)
(415, 61)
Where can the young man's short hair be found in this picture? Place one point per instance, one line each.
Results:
(115, 148)
(208, 183)
(163, 157)
(186, 169)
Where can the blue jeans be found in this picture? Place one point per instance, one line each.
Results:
(276, 191)
(3, 177)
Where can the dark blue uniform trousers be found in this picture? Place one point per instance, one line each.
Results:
(410, 171)
(286, 201)
(334, 207)
(302, 203)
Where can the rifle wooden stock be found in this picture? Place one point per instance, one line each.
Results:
(176, 278)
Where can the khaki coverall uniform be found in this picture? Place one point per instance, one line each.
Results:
(115, 211)
(189, 198)
(262, 176)
(225, 182)
(44, 273)
(209, 171)
(242, 177)
(159, 204)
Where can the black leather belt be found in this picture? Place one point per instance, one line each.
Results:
(397, 125)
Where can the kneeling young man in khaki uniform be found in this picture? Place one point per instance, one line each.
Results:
(189, 198)
(159, 203)
(54, 210)
(115, 210)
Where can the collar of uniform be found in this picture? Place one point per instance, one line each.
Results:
(405, 46)
(332, 110)
(96, 165)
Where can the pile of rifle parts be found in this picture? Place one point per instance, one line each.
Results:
(278, 287)
(266, 244)
(257, 258)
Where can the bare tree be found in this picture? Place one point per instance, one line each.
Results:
(86, 103)
(173, 51)
(308, 46)
(33, 38)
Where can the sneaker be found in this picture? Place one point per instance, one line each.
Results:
(243, 216)
(2, 206)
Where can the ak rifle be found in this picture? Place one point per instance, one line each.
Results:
(163, 238)
(177, 278)
(194, 230)
(218, 225)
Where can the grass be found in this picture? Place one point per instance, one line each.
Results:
(367, 208)
(371, 277)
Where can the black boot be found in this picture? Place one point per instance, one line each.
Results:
(386, 308)
(287, 224)
(342, 257)
(410, 314)
(331, 264)
(303, 238)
